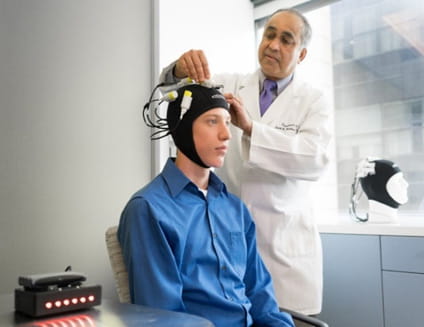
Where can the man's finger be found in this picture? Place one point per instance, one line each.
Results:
(198, 65)
(203, 66)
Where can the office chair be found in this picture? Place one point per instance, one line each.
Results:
(121, 278)
(118, 266)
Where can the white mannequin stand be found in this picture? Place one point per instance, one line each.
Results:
(380, 213)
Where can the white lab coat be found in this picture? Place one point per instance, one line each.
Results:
(271, 171)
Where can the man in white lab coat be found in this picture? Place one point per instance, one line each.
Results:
(275, 155)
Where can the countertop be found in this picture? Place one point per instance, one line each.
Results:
(407, 225)
(109, 314)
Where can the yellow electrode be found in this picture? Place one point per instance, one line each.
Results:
(172, 95)
(185, 103)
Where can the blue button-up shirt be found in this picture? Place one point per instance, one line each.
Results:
(190, 253)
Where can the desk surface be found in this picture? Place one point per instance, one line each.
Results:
(343, 224)
(108, 314)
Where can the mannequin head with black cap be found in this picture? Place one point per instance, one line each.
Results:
(386, 189)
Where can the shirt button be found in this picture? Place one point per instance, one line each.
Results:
(214, 235)
(224, 268)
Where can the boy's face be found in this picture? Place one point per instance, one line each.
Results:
(211, 134)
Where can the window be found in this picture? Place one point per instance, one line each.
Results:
(373, 51)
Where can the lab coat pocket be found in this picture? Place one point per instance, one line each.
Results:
(296, 237)
(238, 251)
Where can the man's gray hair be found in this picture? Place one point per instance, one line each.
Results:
(306, 31)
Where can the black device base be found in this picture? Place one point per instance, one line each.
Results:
(38, 304)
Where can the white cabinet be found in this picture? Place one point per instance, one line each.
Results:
(352, 281)
(403, 253)
(403, 280)
(373, 280)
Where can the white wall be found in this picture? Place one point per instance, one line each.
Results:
(317, 68)
(73, 147)
(268, 8)
(223, 29)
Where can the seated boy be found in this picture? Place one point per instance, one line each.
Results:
(188, 244)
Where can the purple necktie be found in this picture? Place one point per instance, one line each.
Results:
(267, 95)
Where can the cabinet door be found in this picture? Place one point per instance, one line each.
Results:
(352, 281)
(403, 299)
(403, 253)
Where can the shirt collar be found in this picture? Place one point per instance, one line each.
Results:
(177, 181)
(281, 84)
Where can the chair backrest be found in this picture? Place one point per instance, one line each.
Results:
(118, 266)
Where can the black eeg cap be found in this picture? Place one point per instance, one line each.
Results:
(374, 185)
(203, 99)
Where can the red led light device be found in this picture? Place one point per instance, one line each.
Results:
(48, 294)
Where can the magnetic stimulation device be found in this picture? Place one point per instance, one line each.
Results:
(53, 293)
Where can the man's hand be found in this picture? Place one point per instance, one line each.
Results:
(193, 64)
(239, 116)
